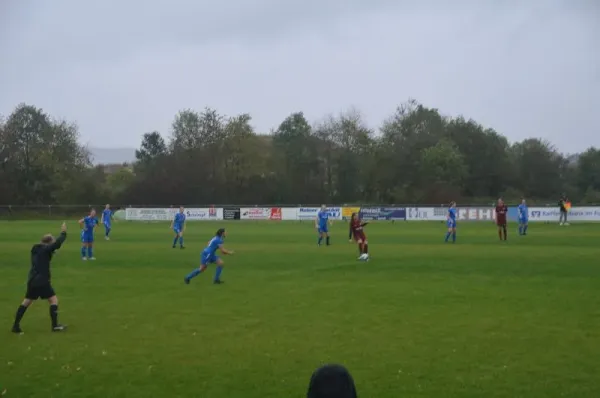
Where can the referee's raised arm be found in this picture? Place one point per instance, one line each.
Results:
(60, 240)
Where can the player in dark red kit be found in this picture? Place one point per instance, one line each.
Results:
(501, 212)
(358, 233)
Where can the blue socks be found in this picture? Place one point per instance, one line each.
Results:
(320, 240)
(218, 273)
(181, 241)
(327, 240)
(107, 232)
(453, 236)
(83, 251)
(175, 240)
(447, 236)
(193, 274)
(89, 252)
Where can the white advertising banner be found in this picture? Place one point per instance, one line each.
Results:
(440, 213)
(150, 214)
(575, 214)
(289, 213)
(426, 213)
(307, 213)
(310, 213)
(204, 214)
(255, 213)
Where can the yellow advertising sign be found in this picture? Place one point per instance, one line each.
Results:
(347, 212)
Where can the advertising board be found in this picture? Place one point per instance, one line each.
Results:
(255, 213)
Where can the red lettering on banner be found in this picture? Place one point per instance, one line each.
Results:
(276, 213)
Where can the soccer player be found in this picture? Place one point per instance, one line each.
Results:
(357, 231)
(501, 212)
(209, 256)
(88, 223)
(451, 222)
(38, 281)
(178, 226)
(322, 225)
(562, 205)
(106, 220)
(523, 217)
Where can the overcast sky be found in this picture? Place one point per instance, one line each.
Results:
(123, 68)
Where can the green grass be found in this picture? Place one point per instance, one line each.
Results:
(477, 319)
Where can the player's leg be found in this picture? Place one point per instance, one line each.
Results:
(181, 239)
(176, 237)
(83, 246)
(449, 232)
(520, 226)
(360, 244)
(217, 260)
(505, 230)
(327, 242)
(454, 234)
(204, 261)
(525, 226)
(90, 248)
(27, 301)
(106, 230)
(321, 236)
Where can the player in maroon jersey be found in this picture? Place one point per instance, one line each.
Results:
(358, 233)
(501, 212)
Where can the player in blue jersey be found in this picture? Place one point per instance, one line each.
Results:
(106, 220)
(523, 217)
(451, 222)
(322, 225)
(209, 256)
(88, 224)
(178, 226)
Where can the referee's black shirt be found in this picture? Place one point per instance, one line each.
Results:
(41, 255)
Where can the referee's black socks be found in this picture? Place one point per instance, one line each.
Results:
(20, 312)
(54, 314)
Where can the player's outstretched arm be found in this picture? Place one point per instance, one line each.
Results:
(225, 251)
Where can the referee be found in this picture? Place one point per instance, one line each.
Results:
(38, 282)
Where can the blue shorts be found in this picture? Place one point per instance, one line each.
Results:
(87, 237)
(107, 225)
(323, 229)
(208, 258)
(177, 230)
(451, 224)
(523, 220)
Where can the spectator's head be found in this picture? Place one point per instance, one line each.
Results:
(331, 381)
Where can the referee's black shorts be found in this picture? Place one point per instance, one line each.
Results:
(43, 291)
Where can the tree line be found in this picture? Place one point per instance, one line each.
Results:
(418, 156)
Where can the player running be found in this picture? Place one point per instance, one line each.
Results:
(209, 256)
(523, 217)
(451, 222)
(501, 212)
(88, 224)
(106, 220)
(322, 225)
(178, 226)
(358, 233)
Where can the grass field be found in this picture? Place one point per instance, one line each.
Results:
(422, 319)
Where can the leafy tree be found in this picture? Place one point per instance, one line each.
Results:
(153, 147)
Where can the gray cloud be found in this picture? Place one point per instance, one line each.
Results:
(123, 68)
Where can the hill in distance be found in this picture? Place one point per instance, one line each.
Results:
(112, 155)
